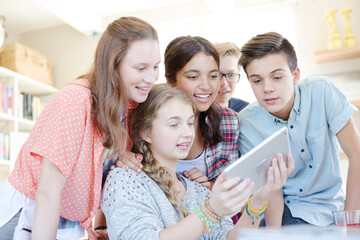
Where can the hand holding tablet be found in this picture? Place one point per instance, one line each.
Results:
(255, 164)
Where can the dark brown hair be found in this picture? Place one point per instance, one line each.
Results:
(141, 120)
(177, 54)
(110, 102)
(267, 43)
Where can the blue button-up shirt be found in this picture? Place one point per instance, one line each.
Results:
(320, 111)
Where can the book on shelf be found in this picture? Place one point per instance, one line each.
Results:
(28, 106)
(6, 98)
(4, 146)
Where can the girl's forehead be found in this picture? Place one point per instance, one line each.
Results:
(201, 61)
(175, 107)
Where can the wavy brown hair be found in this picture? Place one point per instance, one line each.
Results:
(141, 120)
(110, 101)
(177, 54)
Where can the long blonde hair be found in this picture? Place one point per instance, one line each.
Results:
(110, 102)
(142, 119)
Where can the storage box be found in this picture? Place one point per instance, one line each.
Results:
(26, 61)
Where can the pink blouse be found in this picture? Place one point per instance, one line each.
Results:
(65, 134)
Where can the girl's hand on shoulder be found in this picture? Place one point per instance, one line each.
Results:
(130, 160)
(197, 176)
(101, 234)
(229, 196)
(277, 175)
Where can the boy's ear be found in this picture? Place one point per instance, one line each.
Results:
(145, 135)
(296, 75)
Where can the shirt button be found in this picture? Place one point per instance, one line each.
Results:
(288, 201)
(302, 150)
(291, 126)
(300, 190)
(310, 166)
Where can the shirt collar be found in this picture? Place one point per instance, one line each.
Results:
(296, 106)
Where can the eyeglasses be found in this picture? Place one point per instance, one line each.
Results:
(231, 77)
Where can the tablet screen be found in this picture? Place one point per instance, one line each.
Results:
(255, 163)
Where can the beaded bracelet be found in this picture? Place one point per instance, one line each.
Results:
(209, 210)
(254, 211)
(253, 217)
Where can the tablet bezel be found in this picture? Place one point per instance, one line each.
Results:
(255, 163)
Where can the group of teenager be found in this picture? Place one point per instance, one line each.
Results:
(172, 141)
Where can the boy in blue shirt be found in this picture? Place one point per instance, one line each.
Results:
(317, 115)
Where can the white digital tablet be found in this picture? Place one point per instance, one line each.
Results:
(255, 163)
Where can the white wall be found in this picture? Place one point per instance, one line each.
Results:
(11, 37)
(312, 33)
(72, 53)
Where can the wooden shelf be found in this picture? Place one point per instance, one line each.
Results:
(15, 126)
(337, 54)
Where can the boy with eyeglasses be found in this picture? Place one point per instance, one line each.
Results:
(318, 116)
(229, 76)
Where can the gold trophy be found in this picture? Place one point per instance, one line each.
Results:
(334, 40)
(349, 37)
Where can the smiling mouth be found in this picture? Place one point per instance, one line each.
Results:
(203, 98)
(224, 92)
(143, 90)
(184, 146)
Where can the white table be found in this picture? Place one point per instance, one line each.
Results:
(302, 232)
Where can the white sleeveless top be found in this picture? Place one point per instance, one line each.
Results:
(187, 165)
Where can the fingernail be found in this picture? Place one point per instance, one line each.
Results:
(139, 170)
(139, 159)
(141, 166)
(125, 167)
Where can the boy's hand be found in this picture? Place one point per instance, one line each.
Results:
(130, 160)
(277, 175)
(197, 176)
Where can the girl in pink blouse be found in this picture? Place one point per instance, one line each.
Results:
(54, 190)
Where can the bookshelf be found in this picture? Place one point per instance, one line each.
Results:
(21, 101)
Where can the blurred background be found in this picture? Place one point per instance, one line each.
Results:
(67, 33)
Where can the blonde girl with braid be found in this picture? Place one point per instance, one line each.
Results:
(158, 203)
